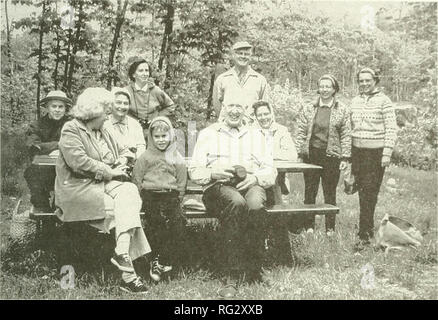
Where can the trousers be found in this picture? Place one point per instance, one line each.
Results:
(368, 172)
(165, 225)
(40, 180)
(242, 217)
(329, 177)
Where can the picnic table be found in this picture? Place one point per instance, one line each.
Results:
(280, 214)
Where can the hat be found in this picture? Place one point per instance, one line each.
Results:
(118, 90)
(242, 45)
(56, 95)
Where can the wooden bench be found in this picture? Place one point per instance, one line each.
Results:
(278, 210)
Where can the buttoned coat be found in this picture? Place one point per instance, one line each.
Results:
(339, 137)
(81, 173)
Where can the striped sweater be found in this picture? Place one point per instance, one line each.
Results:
(373, 122)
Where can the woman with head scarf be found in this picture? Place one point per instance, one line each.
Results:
(277, 136)
(323, 139)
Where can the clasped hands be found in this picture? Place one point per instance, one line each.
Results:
(119, 168)
(225, 174)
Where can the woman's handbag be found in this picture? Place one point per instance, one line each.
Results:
(350, 185)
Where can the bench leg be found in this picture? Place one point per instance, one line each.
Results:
(278, 242)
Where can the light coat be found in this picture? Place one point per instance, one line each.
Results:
(80, 172)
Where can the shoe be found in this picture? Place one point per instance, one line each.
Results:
(123, 262)
(158, 269)
(229, 291)
(361, 245)
(136, 286)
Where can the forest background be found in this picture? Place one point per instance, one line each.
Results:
(72, 45)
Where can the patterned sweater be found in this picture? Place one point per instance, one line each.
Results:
(373, 122)
(339, 138)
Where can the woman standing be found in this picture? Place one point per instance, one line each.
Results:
(88, 183)
(148, 100)
(373, 136)
(323, 138)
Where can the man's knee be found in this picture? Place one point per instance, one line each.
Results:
(256, 198)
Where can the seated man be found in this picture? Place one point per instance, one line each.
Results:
(239, 206)
(42, 139)
(276, 135)
(126, 129)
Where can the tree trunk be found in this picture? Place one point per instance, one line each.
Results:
(8, 40)
(40, 59)
(58, 49)
(168, 28)
(119, 22)
(210, 94)
(75, 49)
(310, 81)
(67, 60)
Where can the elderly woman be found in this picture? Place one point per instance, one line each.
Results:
(88, 168)
(277, 136)
(374, 130)
(323, 139)
(125, 128)
(148, 100)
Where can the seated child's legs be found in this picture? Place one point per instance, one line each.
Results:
(164, 223)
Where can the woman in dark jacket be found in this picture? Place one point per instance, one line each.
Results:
(323, 139)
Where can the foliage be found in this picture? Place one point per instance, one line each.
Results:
(287, 102)
(418, 142)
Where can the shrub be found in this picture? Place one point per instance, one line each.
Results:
(14, 157)
(287, 102)
(417, 143)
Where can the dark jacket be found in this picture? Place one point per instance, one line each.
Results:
(43, 135)
(339, 138)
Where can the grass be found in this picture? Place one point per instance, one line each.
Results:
(324, 267)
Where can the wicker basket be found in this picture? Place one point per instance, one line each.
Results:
(22, 229)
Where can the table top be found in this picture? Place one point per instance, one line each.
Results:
(281, 165)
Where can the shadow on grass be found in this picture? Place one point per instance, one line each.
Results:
(89, 252)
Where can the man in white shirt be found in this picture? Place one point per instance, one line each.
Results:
(127, 130)
(239, 205)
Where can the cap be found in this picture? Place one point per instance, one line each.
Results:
(56, 95)
(241, 45)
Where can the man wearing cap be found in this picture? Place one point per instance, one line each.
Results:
(42, 139)
(240, 81)
(126, 129)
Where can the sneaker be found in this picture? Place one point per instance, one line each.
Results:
(228, 291)
(136, 286)
(123, 262)
(158, 269)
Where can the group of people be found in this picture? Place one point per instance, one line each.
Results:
(118, 156)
